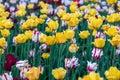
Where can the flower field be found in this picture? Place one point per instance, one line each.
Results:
(59, 40)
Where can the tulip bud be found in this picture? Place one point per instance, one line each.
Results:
(32, 53)
(117, 52)
(43, 47)
(41, 69)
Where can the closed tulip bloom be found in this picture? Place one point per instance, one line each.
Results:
(53, 25)
(112, 74)
(29, 34)
(97, 53)
(84, 34)
(112, 31)
(60, 38)
(45, 55)
(69, 34)
(59, 73)
(30, 6)
(73, 22)
(73, 48)
(3, 43)
(115, 40)
(20, 38)
(99, 42)
(92, 76)
(33, 73)
(50, 40)
(5, 33)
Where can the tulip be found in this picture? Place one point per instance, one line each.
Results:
(43, 47)
(91, 66)
(22, 64)
(71, 63)
(117, 52)
(97, 53)
(6, 76)
(100, 35)
(23, 72)
(33, 73)
(99, 43)
(35, 36)
(59, 73)
(112, 74)
(32, 53)
(73, 48)
(92, 76)
(45, 55)
(84, 34)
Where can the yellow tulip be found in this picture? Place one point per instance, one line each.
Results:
(43, 38)
(2, 51)
(112, 31)
(112, 74)
(69, 34)
(3, 42)
(29, 34)
(73, 48)
(99, 43)
(73, 22)
(5, 33)
(60, 37)
(59, 73)
(50, 40)
(111, 1)
(92, 76)
(92, 12)
(53, 25)
(73, 8)
(21, 38)
(84, 34)
(33, 73)
(115, 40)
(44, 11)
(30, 6)
(45, 55)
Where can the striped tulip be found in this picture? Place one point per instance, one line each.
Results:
(22, 64)
(91, 66)
(23, 72)
(36, 36)
(100, 35)
(43, 47)
(71, 63)
(6, 76)
(97, 53)
(32, 53)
